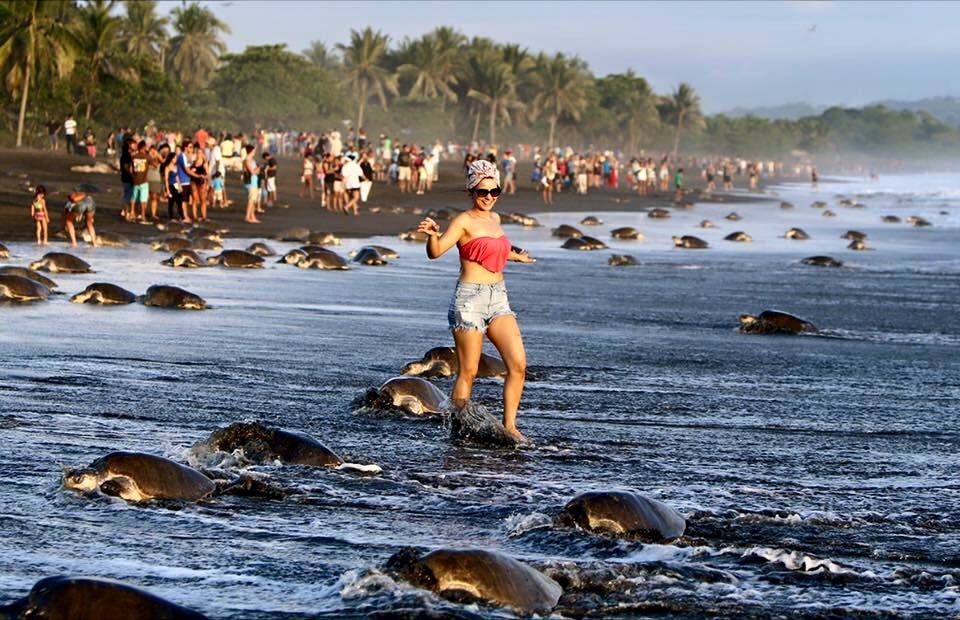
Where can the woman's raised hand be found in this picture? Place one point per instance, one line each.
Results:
(429, 227)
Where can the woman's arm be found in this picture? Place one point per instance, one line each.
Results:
(438, 244)
(519, 255)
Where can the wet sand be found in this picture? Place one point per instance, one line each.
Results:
(23, 168)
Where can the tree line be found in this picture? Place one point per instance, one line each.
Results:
(110, 67)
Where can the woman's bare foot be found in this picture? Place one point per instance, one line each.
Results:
(518, 436)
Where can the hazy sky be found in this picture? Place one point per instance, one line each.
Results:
(733, 53)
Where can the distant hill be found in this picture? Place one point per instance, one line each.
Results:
(945, 109)
(788, 111)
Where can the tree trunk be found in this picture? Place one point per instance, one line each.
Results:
(553, 128)
(676, 137)
(363, 102)
(493, 122)
(476, 125)
(89, 107)
(23, 104)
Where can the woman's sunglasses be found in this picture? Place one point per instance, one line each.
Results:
(483, 193)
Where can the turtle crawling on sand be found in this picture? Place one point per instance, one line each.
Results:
(775, 322)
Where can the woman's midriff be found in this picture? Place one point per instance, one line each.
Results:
(474, 273)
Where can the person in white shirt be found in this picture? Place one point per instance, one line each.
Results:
(70, 130)
(336, 145)
(352, 173)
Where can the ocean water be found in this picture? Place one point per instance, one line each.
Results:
(818, 474)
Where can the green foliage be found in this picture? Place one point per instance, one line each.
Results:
(561, 86)
(319, 54)
(158, 96)
(364, 69)
(271, 86)
(125, 68)
(35, 39)
(144, 32)
(196, 48)
(101, 51)
(631, 106)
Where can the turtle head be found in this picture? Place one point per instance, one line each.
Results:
(83, 479)
(193, 302)
(677, 241)
(408, 564)
(747, 319)
(413, 368)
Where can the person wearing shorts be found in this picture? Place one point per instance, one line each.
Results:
(251, 172)
(139, 187)
(79, 207)
(404, 160)
(154, 180)
(480, 306)
(270, 171)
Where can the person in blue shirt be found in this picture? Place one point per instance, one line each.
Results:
(216, 185)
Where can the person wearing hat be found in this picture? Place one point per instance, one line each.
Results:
(480, 306)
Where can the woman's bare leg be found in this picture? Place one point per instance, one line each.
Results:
(469, 345)
(504, 333)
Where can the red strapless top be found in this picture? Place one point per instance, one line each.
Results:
(490, 252)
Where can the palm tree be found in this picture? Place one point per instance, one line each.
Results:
(363, 62)
(561, 89)
(684, 108)
(319, 54)
(196, 49)
(144, 33)
(433, 67)
(98, 38)
(34, 38)
(521, 63)
(632, 104)
(496, 89)
(478, 52)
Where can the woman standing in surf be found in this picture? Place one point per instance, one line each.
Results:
(479, 305)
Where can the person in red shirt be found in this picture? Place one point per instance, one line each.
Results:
(201, 136)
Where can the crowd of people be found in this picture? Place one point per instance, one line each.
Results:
(562, 170)
(189, 173)
(342, 172)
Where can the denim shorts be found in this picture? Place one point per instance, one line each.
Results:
(474, 306)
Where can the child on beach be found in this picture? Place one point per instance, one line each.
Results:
(38, 211)
(216, 184)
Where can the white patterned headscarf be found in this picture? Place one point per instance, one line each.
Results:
(479, 170)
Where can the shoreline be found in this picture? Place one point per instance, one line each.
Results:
(26, 167)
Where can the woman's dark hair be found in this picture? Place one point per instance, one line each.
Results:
(40, 191)
(169, 160)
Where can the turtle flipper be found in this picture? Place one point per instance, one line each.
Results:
(121, 487)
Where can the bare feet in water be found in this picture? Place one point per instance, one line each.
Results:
(517, 435)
